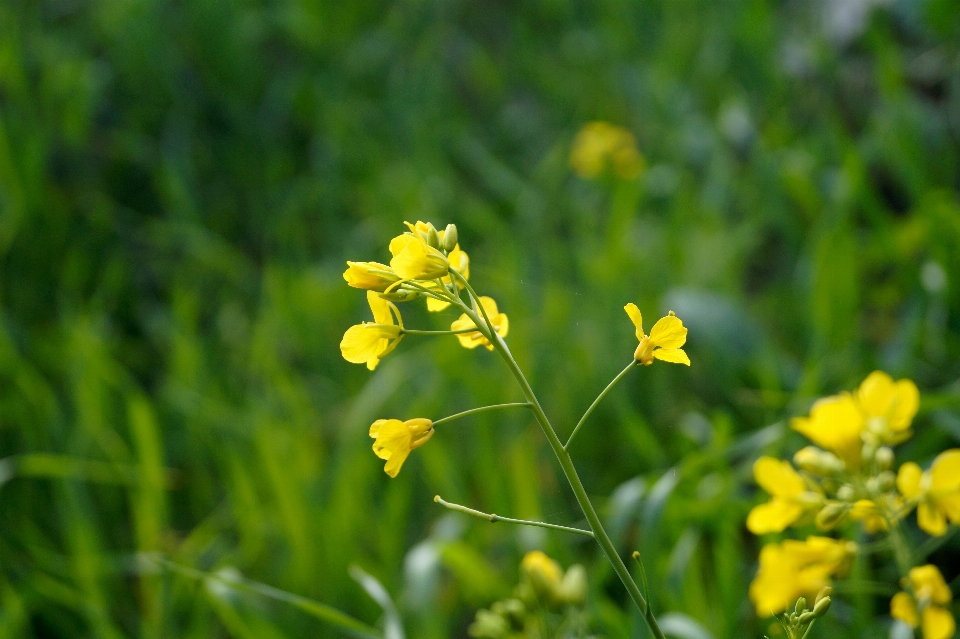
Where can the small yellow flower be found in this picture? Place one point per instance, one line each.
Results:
(665, 339)
(600, 143)
(395, 440)
(797, 568)
(372, 276)
(888, 406)
(369, 342)
(932, 596)
(790, 497)
(414, 258)
(937, 491)
(869, 516)
(835, 423)
(471, 340)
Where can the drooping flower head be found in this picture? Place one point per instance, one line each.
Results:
(927, 605)
(665, 339)
(369, 342)
(790, 497)
(372, 276)
(797, 568)
(937, 491)
(417, 254)
(395, 439)
(501, 324)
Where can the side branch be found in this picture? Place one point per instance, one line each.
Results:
(480, 410)
(523, 522)
(599, 398)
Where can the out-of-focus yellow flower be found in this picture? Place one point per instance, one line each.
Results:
(869, 516)
(928, 606)
(369, 342)
(501, 325)
(937, 491)
(797, 568)
(414, 258)
(601, 143)
(790, 497)
(835, 423)
(372, 276)
(395, 440)
(665, 339)
(544, 573)
(888, 406)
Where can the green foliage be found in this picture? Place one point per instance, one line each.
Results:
(181, 182)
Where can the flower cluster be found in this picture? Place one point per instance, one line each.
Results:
(545, 596)
(848, 474)
(599, 144)
(926, 603)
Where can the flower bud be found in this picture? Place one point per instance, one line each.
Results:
(884, 458)
(543, 573)
(801, 605)
(817, 462)
(821, 607)
(488, 625)
(805, 618)
(831, 515)
(512, 610)
(450, 238)
(846, 493)
(573, 589)
(398, 295)
(433, 238)
(826, 591)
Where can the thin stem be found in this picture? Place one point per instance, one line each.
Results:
(408, 331)
(566, 464)
(450, 418)
(603, 394)
(495, 518)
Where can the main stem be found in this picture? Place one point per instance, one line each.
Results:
(566, 463)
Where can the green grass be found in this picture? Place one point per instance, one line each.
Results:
(181, 182)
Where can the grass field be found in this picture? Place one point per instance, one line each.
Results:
(181, 183)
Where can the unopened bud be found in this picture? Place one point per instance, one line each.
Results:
(821, 607)
(450, 238)
(400, 295)
(886, 481)
(805, 618)
(826, 591)
(573, 589)
(433, 238)
(846, 493)
(801, 605)
(488, 625)
(884, 458)
(831, 515)
(818, 462)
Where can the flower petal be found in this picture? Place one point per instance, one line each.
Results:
(876, 393)
(903, 608)
(773, 516)
(672, 355)
(435, 306)
(906, 401)
(380, 308)
(930, 519)
(835, 423)
(668, 332)
(908, 480)
(938, 623)
(636, 318)
(945, 472)
(778, 477)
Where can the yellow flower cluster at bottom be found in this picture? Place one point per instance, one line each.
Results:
(931, 595)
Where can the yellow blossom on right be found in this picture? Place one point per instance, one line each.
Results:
(927, 605)
(937, 491)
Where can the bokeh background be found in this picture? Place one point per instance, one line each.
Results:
(181, 183)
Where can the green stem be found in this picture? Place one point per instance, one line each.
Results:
(495, 518)
(566, 464)
(450, 418)
(600, 397)
(408, 331)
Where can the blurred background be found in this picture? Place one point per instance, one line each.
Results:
(181, 183)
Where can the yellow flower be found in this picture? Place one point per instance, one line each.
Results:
(932, 596)
(471, 340)
(790, 497)
(395, 440)
(545, 574)
(869, 516)
(600, 143)
(370, 275)
(368, 343)
(888, 406)
(665, 339)
(835, 423)
(937, 491)
(797, 568)
(414, 258)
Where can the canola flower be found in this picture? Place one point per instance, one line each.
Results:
(417, 254)
(795, 568)
(936, 491)
(395, 439)
(371, 276)
(927, 605)
(791, 497)
(369, 342)
(601, 144)
(665, 339)
(501, 324)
